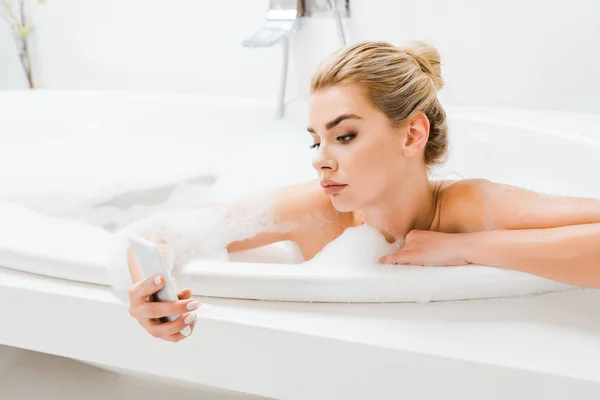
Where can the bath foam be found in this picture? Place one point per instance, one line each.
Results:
(357, 248)
(201, 233)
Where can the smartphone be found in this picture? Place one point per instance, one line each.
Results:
(148, 256)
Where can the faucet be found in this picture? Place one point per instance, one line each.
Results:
(283, 19)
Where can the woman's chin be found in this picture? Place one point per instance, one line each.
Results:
(343, 205)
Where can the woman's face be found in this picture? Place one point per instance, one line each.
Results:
(356, 148)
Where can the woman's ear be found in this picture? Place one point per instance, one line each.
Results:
(417, 134)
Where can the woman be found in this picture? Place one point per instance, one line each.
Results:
(377, 127)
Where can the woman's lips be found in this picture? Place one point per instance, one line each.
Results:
(333, 189)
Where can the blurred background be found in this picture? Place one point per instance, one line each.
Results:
(525, 54)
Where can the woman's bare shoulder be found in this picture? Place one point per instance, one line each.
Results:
(462, 187)
(306, 216)
(460, 205)
(479, 204)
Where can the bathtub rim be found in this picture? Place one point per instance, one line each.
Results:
(486, 115)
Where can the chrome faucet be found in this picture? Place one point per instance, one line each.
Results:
(283, 19)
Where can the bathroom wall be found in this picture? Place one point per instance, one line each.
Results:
(535, 54)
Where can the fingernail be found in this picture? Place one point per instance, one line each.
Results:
(158, 280)
(190, 318)
(192, 305)
(187, 331)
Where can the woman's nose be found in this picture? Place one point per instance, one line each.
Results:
(324, 161)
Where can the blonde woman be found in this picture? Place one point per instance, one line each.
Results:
(377, 127)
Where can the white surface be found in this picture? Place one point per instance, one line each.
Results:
(532, 347)
(532, 54)
(140, 180)
(25, 374)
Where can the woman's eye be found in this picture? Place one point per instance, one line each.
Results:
(341, 139)
(346, 138)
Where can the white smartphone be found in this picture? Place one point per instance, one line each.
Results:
(151, 263)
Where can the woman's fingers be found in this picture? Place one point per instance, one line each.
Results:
(157, 309)
(176, 337)
(139, 292)
(172, 330)
(150, 314)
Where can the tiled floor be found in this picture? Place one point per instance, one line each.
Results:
(26, 375)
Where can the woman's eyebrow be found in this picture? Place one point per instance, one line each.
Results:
(333, 123)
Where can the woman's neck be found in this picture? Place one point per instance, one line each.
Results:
(407, 206)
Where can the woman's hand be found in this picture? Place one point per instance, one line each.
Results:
(430, 248)
(148, 313)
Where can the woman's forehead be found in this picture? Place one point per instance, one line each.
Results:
(327, 104)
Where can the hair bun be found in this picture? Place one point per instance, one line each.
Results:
(428, 58)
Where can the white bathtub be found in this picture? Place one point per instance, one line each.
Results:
(68, 157)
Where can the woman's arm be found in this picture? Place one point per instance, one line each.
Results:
(300, 213)
(478, 204)
(569, 254)
(207, 232)
(509, 227)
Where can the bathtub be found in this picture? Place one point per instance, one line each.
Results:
(74, 166)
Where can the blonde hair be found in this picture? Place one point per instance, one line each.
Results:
(398, 80)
